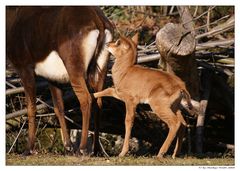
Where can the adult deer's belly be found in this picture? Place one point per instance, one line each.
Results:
(52, 68)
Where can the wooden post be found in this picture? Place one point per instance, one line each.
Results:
(206, 89)
(176, 44)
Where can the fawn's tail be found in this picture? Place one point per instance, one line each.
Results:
(187, 97)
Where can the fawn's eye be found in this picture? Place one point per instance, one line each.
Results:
(118, 42)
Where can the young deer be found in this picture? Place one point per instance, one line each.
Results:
(135, 84)
(61, 44)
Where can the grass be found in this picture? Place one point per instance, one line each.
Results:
(51, 159)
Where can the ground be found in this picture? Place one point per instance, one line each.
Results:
(51, 159)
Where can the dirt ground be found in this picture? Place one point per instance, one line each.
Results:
(51, 159)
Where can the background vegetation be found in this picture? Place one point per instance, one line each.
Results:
(148, 132)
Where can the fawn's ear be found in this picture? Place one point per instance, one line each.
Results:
(135, 38)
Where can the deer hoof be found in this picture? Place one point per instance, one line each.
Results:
(122, 154)
(29, 152)
(83, 152)
(160, 156)
(69, 149)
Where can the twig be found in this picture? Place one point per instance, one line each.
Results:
(211, 8)
(208, 20)
(216, 31)
(38, 125)
(214, 22)
(10, 85)
(103, 150)
(45, 114)
(171, 10)
(195, 12)
(14, 142)
(13, 80)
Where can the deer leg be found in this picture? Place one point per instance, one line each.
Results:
(96, 145)
(85, 101)
(107, 92)
(166, 114)
(59, 111)
(173, 125)
(73, 58)
(97, 85)
(28, 81)
(129, 119)
(180, 134)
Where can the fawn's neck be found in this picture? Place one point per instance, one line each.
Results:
(120, 69)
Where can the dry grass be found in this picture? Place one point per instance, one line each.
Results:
(50, 159)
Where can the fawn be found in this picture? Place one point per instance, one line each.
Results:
(135, 84)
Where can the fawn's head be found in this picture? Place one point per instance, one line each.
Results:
(124, 47)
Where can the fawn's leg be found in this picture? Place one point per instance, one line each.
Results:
(165, 114)
(129, 119)
(180, 134)
(107, 92)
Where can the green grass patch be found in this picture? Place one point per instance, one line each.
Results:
(50, 159)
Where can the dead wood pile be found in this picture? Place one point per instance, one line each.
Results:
(206, 51)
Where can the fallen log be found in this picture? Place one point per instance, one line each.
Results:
(148, 58)
(214, 44)
(24, 111)
(14, 91)
(39, 107)
(228, 146)
(21, 89)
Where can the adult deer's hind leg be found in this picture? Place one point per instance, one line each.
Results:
(28, 81)
(59, 111)
(77, 76)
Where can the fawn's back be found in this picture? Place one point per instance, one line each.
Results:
(137, 81)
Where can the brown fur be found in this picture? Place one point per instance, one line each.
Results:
(33, 32)
(136, 84)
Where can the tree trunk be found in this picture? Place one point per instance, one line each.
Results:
(176, 44)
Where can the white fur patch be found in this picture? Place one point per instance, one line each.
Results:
(103, 57)
(89, 46)
(52, 68)
(144, 101)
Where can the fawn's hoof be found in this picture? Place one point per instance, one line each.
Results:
(160, 156)
(173, 156)
(122, 154)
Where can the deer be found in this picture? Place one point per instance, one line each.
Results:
(62, 45)
(134, 84)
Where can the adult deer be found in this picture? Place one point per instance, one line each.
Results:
(61, 44)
